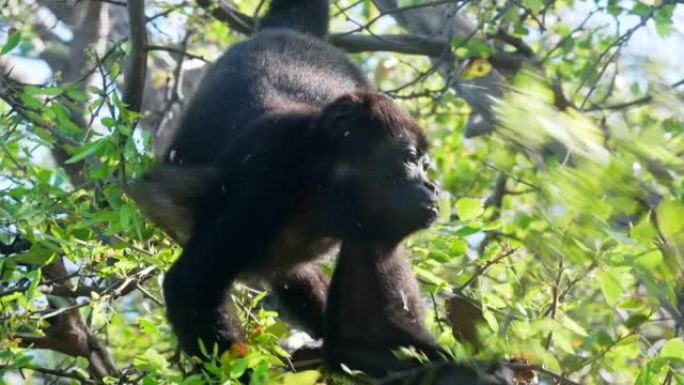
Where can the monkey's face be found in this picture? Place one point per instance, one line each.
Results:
(385, 195)
(378, 188)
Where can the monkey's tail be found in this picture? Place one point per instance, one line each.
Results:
(306, 16)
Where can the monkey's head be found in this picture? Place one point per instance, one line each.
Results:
(378, 187)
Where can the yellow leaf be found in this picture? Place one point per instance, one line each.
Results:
(476, 69)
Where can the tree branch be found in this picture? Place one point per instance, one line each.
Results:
(54, 372)
(504, 254)
(136, 66)
(68, 334)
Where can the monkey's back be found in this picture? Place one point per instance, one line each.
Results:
(275, 70)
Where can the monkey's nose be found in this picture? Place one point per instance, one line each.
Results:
(432, 187)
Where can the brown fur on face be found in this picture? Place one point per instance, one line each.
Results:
(360, 121)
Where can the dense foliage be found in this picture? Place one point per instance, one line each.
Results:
(561, 237)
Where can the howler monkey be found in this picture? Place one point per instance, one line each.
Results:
(284, 150)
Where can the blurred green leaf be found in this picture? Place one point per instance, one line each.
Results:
(610, 286)
(673, 349)
(12, 42)
(87, 150)
(307, 377)
(468, 208)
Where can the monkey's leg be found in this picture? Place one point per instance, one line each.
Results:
(302, 291)
(198, 304)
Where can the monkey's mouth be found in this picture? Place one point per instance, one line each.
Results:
(434, 213)
(429, 213)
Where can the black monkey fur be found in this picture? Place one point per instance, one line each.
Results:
(284, 150)
(254, 181)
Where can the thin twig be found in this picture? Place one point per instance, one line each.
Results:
(54, 372)
(555, 301)
(176, 51)
(484, 268)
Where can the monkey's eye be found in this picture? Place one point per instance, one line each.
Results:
(411, 156)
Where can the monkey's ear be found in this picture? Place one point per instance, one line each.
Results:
(338, 117)
(169, 194)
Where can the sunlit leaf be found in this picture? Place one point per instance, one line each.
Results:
(307, 377)
(491, 320)
(571, 325)
(673, 349)
(476, 69)
(468, 208)
(610, 286)
(670, 223)
(148, 327)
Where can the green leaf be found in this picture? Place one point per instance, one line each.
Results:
(278, 329)
(663, 20)
(260, 374)
(491, 320)
(644, 232)
(534, 5)
(148, 327)
(467, 230)
(571, 325)
(469, 208)
(151, 360)
(641, 9)
(238, 367)
(428, 276)
(492, 300)
(610, 286)
(12, 41)
(34, 276)
(649, 261)
(308, 377)
(649, 375)
(124, 217)
(673, 126)
(108, 122)
(49, 91)
(87, 150)
(673, 349)
(278, 350)
(669, 215)
(458, 247)
(636, 320)
(439, 256)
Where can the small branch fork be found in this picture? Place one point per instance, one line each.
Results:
(69, 334)
(352, 42)
(616, 47)
(502, 255)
